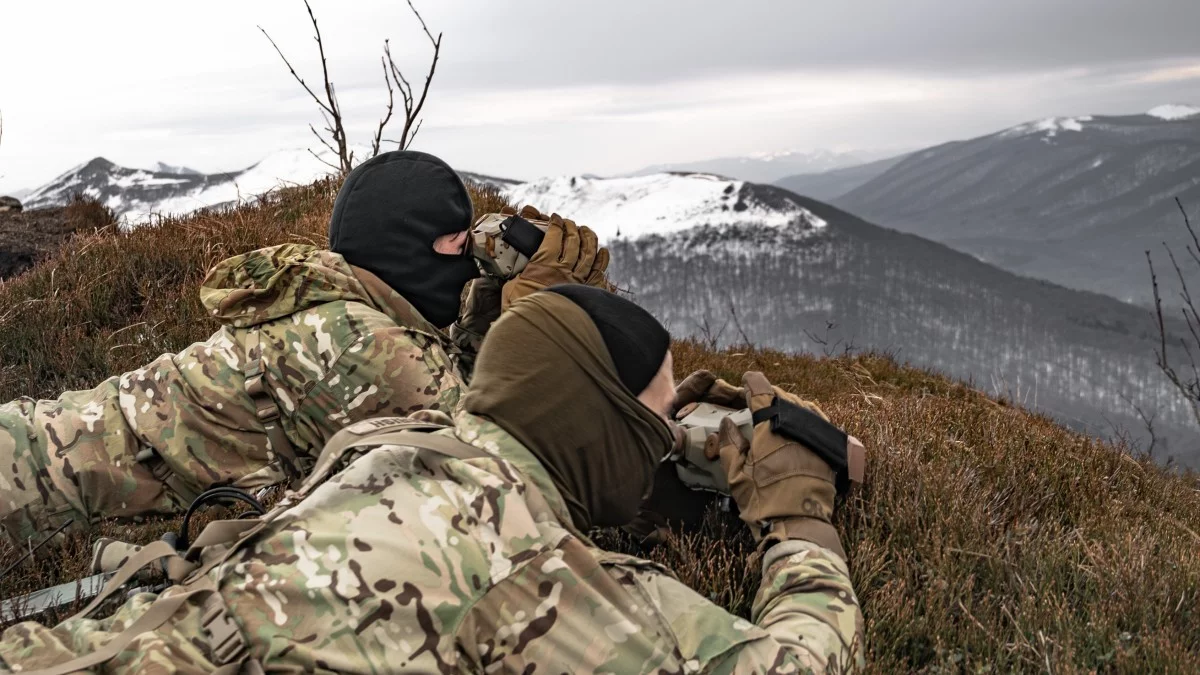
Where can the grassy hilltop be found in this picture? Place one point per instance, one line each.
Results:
(986, 538)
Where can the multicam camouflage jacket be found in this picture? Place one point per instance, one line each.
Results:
(337, 345)
(402, 560)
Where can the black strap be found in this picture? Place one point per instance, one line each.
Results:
(812, 431)
(522, 235)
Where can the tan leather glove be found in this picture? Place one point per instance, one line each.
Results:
(569, 254)
(783, 489)
(704, 387)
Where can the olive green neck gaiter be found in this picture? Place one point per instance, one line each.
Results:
(545, 376)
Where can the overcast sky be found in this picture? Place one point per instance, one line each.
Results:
(538, 87)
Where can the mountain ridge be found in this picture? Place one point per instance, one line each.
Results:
(1074, 200)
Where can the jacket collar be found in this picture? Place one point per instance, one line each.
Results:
(394, 305)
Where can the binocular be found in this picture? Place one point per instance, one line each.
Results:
(502, 244)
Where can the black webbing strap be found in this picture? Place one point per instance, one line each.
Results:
(522, 235)
(812, 431)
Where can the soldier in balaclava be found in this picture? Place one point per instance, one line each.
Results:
(311, 340)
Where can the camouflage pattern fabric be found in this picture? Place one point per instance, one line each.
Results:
(338, 346)
(410, 561)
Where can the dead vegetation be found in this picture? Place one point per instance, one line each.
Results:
(986, 538)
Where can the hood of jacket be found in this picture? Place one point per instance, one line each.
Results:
(278, 281)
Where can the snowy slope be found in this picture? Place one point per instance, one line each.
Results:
(163, 167)
(1173, 111)
(664, 203)
(136, 195)
(288, 167)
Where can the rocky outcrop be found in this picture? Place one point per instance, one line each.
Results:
(28, 236)
(10, 204)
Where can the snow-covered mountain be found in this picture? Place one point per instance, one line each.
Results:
(727, 260)
(163, 167)
(137, 194)
(766, 167)
(1074, 200)
(664, 203)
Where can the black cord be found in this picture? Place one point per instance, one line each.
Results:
(226, 493)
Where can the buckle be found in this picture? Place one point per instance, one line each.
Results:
(225, 637)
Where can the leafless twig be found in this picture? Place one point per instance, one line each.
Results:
(412, 103)
(737, 323)
(1187, 385)
(334, 137)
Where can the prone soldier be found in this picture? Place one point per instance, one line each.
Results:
(465, 548)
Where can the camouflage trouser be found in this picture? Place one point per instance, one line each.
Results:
(47, 481)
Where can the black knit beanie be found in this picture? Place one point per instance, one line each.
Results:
(637, 342)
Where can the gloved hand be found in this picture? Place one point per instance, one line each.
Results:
(704, 387)
(672, 502)
(569, 254)
(783, 489)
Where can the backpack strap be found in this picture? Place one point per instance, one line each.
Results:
(225, 638)
(265, 407)
(358, 435)
(228, 646)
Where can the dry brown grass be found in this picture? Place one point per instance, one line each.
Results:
(986, 538)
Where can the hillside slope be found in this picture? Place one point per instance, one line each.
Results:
(1072, 200)
(985, 539)
(829, 185)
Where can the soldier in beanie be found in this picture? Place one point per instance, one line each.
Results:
(311, 341)
(466, 549)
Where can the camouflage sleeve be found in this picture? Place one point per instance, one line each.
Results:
(480, 307)
(807, 606)
(468, 343)
(391, 371)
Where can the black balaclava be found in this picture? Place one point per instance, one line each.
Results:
(386, 218)
(636, 341)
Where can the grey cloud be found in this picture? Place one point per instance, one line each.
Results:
(550, 43)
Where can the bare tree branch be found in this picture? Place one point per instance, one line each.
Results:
(335, 139)
(737, 323)
(324, 161)
(1187, 385)
(412, 104)
(387, 81)
(1187, 222)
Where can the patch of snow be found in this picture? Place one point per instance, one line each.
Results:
(656, 204)
(163, 167)
(1050, 126)
(1173, 112)
(281, 169)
